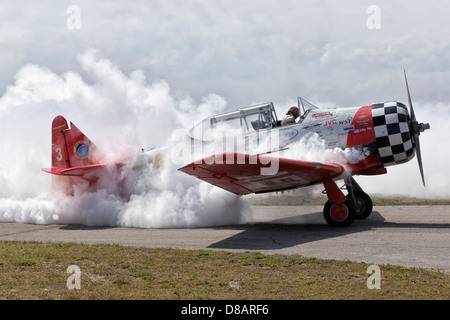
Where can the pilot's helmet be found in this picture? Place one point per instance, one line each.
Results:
(295, 112)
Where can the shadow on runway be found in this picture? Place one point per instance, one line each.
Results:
(292, 231)
(79, 227)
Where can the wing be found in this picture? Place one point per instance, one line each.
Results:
(243, 174)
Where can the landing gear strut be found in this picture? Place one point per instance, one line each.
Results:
(340, 210)
(363, 203)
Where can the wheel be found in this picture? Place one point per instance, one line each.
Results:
(364, 204)
(339, 214)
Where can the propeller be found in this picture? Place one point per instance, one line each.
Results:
(415, 129)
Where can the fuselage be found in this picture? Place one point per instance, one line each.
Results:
(379, 134)
(380, 131)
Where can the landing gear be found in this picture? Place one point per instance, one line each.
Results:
(340, 210)
(339, 214)
(363, 203)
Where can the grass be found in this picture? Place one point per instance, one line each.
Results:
(34, 270)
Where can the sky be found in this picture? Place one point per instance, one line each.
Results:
(246, 51)
(135, 71)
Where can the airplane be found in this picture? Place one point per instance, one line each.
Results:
(380, 134)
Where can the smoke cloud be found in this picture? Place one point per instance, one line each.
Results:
(121, 114)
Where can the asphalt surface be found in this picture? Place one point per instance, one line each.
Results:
(410, 236)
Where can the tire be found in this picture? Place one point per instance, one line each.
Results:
(339, 215)
(364, 205)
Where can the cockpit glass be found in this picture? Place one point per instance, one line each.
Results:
(244, 120)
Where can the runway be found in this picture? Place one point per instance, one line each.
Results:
(410, 236)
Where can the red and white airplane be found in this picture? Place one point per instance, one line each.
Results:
(382, 134)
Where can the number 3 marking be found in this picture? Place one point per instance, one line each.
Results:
(59, 157)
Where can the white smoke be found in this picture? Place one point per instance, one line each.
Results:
(121, 114)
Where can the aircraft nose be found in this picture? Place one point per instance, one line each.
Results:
(392, 132)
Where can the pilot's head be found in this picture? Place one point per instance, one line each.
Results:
(294, 111)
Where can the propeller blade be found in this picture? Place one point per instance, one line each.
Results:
(419, 157)
(415, 129)
(411, 110)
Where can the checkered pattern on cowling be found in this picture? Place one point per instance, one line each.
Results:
(390, 122)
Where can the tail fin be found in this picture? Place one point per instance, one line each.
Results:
(73, 154)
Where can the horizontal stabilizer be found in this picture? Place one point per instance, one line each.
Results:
(74, 171)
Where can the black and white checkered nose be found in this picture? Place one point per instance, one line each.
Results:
(392, 132)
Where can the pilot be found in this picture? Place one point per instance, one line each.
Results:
(290, 116)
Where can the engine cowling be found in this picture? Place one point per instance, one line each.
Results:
(393, 137)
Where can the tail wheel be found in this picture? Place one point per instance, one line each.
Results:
(339, 214)
(364, 204)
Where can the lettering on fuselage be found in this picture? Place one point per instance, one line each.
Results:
(330, 122)
(339, 128)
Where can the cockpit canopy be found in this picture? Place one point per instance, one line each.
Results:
(245, 120)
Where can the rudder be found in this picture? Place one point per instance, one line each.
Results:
(70, 147)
